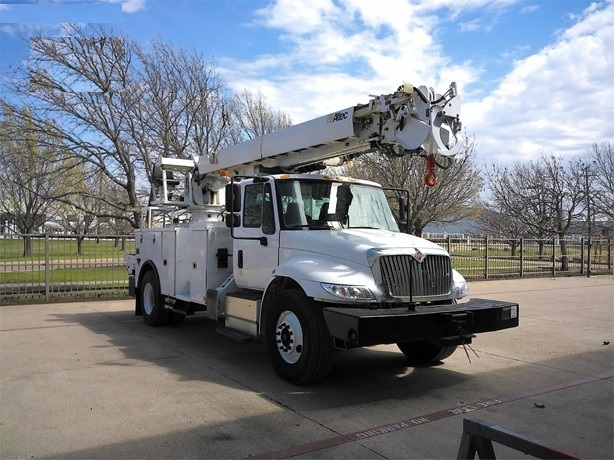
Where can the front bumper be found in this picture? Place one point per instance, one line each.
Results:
(439, 323)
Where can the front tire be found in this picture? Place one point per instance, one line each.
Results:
(425, 353)
(152, 302)
(298, 340)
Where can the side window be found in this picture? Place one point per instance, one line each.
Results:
(268, 217)
(258, 208)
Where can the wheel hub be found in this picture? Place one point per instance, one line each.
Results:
(148, 299)
(289, 337)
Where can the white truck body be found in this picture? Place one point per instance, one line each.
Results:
(311, 263)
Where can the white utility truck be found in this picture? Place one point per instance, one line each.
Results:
(310, 263)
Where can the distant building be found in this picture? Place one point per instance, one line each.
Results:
(7, 224)
(462, 228)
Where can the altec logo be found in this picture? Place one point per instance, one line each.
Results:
(333, 117)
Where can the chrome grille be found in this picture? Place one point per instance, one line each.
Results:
(432, 277)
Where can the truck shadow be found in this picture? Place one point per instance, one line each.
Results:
(194, 351)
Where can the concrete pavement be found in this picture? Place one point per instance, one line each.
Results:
(91, 380)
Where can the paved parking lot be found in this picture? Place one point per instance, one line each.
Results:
(91, 380)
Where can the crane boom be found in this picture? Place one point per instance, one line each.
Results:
(409, 120)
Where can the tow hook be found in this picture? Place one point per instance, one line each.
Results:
(456, 324)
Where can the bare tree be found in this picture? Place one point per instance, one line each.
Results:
(453, 198)
(179, 109)
(545, 196)
(599, 166)
(496, 223)
(522, 211)
(252, 117)
(83, 197)
(118, 106)
(26, 175)
(81, 82)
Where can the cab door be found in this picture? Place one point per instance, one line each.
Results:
(256, 239)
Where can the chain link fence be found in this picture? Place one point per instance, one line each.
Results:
(54, 267)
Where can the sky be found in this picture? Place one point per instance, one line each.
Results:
(535, 76)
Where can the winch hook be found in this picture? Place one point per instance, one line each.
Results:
(430, 178)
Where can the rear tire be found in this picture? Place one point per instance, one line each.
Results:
(299, 344)
(152, 302)
(425, 353)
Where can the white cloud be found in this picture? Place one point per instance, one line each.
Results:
(129, 6)
(471, 26)
(337, 54)
(529, 9)
(297, 17)
(557, 100)
(26, 29)
(9, 29)
(132, 6)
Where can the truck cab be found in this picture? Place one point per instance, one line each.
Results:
(301, 225)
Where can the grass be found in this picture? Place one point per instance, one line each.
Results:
(11, 250)
(475, 268)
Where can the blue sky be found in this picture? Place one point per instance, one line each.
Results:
(534, 75)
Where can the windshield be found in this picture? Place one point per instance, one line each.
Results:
(324, 204)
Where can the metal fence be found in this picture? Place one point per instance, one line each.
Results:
(66, 267)
(51, 267)
(487, 257)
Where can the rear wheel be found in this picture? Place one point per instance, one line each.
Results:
(152, 302)
(298, 340)
(425, 353)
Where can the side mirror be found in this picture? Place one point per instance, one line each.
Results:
(403, 210)
(233, 198)
(233, 220)
(403, 202)
(344, 200)
(403, 215)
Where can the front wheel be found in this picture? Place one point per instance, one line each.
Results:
(298, 340)
(425, 353)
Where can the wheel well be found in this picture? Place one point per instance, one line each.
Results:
(147, 267)
(276, 286)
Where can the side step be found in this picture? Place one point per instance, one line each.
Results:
(233, 334)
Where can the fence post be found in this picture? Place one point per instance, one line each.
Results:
(609, 254)
(449, 243)
(522, 257)
(553, 256)
(47, 270)
(581, 255)
(588, 260)
(486, 259)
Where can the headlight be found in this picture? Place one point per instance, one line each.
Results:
(348, 292)
(460, 288)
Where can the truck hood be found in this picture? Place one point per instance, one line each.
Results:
(353, 244)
